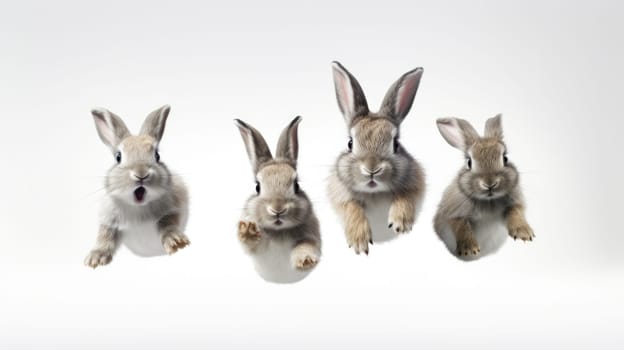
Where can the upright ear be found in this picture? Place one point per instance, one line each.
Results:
(457, 132)
(288, 144)
(256, 146)
(400, 96)
(349, 94)
(110, 127)
(154, 124)
(494, 127)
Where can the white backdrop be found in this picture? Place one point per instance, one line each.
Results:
(554, 69)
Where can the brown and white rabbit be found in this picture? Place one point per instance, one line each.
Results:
(376, 186)
(146, 207)
(279, 229)
(484, 204)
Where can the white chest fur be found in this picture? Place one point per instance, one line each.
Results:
(377, 215)
(489, 230)
(142, 238)
(274, 263)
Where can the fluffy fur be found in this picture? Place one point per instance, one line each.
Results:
(484, 203)
(279, 229)
(146, 207)
(376, 186)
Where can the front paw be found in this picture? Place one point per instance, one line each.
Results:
(172, 242)
(248, 232)
(358, 237)
(468, 247)
(400, 218)
(524, 232)
(98, 257)
(306, 261)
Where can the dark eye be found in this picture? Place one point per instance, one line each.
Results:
(257, 187)
(505, 160)
(118, 157)
(296, 188)
(469, 162)
(396, 144)
(350, 144)
(157, 156)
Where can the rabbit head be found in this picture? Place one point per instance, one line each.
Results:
(138, 175)
(487, 174)
(279, 202)
(374, 160)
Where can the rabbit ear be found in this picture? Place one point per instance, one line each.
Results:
(154, 124)
(494, 127)
(288, 144)
(399, 98)
(256, 146)
(457, 132)
(111, 128)
(349, 94)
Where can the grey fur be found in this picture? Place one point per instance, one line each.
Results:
(296, 229)
(467, 199)
(160, 212)
(401, 180)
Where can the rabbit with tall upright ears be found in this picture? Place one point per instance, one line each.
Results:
(145, 207)
(279, 229)
(376, 186)
(484, 203)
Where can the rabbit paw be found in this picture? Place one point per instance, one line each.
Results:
(248, 232)
(524, 232)
(172, 242)
(468, 247)
(98, 257)
(305, 257)
(358, 237)
(400, 220)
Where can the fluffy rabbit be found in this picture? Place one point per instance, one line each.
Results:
(484, 203)
(375, 186)
(279, 229)
(146, 207)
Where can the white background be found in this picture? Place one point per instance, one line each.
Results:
(554, 69)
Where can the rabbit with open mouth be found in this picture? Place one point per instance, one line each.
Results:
(145, 207)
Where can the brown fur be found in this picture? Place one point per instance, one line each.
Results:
(358, 230)
(517, 224)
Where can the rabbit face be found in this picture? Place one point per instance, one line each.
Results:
(488, 174)
(138, 177)
(279, 202)
(371, 159)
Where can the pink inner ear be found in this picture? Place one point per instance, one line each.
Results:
(404, 98)
(345, 93)
(452, 134)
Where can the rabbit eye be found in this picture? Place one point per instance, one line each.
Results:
(469, 162)
(350, 144)
(505, 159)
(296, 188)
(396, 144)
(257, 187)
(157, 156)
(118, 157)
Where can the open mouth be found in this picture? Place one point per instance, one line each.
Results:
(139, 194)
(372, 184)
(278, 222)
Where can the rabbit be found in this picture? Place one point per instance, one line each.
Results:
(375, 186)
(484, 204)
(279, 229)
(145, 207)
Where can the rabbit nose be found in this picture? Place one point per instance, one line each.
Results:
(276, 212)
(366, 171)
(490, 186)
